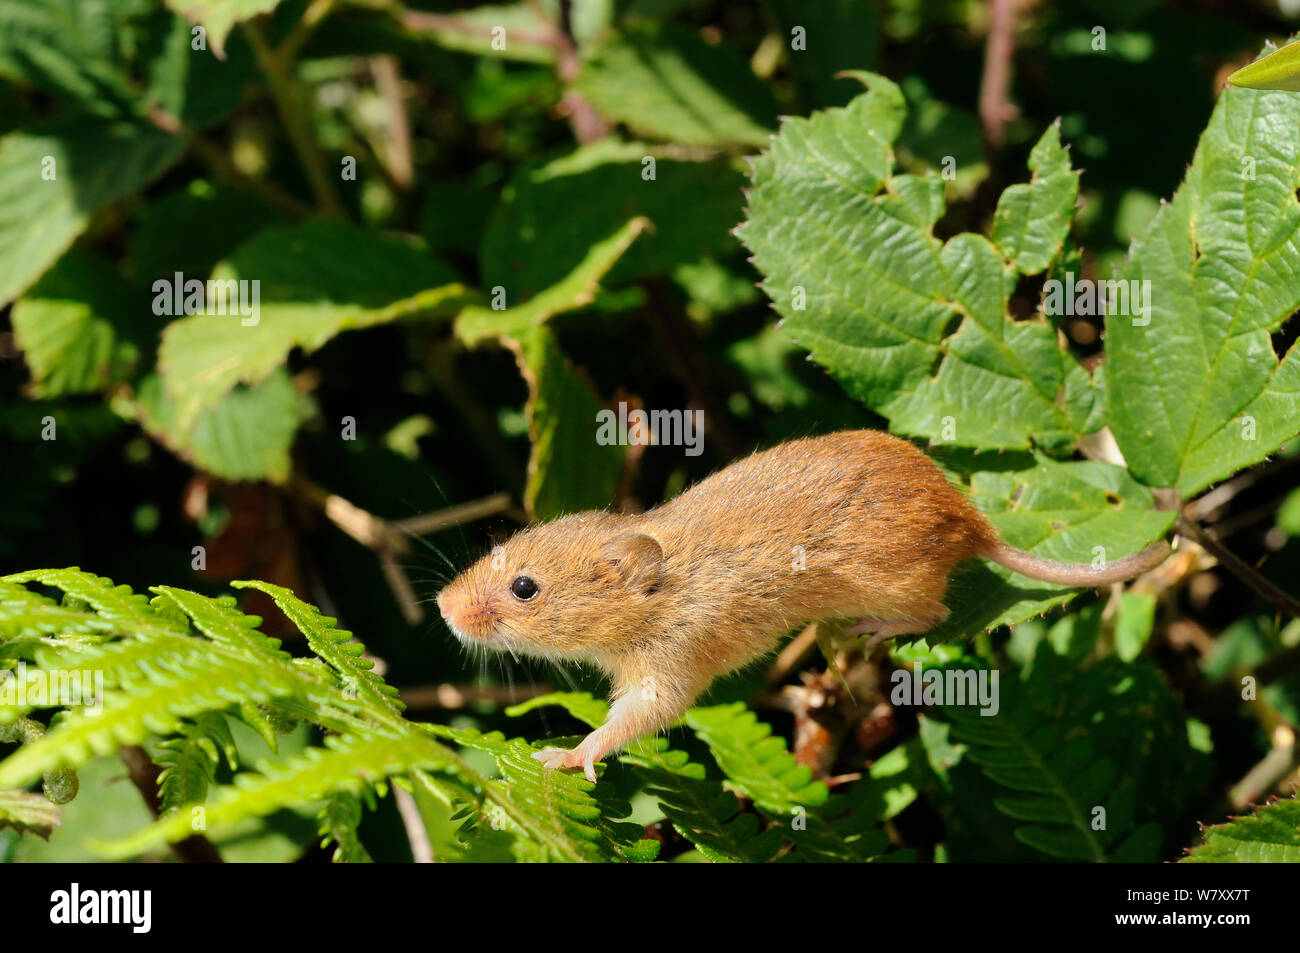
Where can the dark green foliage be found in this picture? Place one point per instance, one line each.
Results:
(473, 229)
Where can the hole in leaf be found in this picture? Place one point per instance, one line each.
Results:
(936, 364)
(1024, 301)
(954, 322)
(1283, 339)
(1112, 499)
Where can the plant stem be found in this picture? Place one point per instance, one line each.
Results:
(1238, 566)
(994, 107)
(279, 79)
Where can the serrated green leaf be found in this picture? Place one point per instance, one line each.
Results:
(1032, 220)
(54, 177)
(475, 323)
(69, 327)
(69, 48)
(315, 281)
(245, 436)
(1279, 69)
(1133, 624)
(1074, 511)
(1194, 390)
(569, 469)
(754, 760)
(1270, 835)
(915, 328)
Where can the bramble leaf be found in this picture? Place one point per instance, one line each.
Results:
(1194, 388)
(1270, 835)
(913, 327)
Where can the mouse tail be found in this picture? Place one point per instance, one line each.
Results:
(1076, 574)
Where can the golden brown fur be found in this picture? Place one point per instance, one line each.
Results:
(856, 525)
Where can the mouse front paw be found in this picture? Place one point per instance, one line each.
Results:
(564, 758)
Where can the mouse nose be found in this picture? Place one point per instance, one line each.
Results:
(442, 605)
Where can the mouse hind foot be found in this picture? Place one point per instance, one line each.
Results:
(881, 629)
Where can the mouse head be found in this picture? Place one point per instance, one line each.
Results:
(561, 589)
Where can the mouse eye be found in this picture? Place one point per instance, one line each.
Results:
(523, 588)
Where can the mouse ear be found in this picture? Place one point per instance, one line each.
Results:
(634, 558)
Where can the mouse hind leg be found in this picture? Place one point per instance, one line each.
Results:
(881, 629)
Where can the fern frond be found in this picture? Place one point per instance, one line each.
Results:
(756, 763)
(1075, 748)
(223, 623)
(585, 707)
(190, 761)
(170, 691)
(700, 810)
(843, 829)
(335, 646)
(556, 809)
(32, 615)
(339, 818)
(346, 763)
(129, 613)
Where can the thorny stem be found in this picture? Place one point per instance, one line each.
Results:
(1238, 566)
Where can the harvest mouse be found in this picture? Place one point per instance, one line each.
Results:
(857, 525)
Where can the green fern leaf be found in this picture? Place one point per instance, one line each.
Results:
(339, 818)
(27, 613)
(583, 706)
(346, 763)
(700, 810)
(1073, 747)
(335, 646)
(1271, 835)
(557, 809)
(755, 761)
(190, 761)
(130, 613)
(220, 621)
(169, 691)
